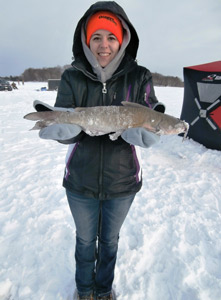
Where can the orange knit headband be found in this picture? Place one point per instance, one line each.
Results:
(107, 21)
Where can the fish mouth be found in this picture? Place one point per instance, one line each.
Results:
(181, 127)
(187, 126)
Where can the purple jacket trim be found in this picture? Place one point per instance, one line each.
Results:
(147, 95)
(128, 93)
(69, 160)
(137, 163)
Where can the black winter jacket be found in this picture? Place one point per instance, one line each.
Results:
(96, 166)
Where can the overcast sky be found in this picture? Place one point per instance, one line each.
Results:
(173, 33)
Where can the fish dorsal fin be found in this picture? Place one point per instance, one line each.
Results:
(132, 104)
(78, 109)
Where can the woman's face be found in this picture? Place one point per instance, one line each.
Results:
(105, 46)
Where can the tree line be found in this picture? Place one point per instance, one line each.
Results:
(162, 80)
(43, 74)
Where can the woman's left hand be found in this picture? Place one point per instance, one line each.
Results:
(140, 137)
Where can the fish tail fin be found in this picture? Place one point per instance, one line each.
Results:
(42, 116)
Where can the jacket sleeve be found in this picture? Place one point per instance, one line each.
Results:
(65, 98)
(147, 94)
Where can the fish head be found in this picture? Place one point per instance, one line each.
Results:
(167, 128)
(180, 127)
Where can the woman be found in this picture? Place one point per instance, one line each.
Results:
(102, 176)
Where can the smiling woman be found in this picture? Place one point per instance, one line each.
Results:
(102, 176)
(105, 46)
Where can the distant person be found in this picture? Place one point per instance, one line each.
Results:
(102, 176)
(14, 86)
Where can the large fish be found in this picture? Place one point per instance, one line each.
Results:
(99, 120)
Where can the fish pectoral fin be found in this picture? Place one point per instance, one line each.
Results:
(114, 136)
(132, 104)
(39, 125)
(152, 129)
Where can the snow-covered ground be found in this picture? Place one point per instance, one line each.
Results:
(170, 245)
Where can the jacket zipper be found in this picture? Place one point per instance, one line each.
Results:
(100, 195)
(104, 89)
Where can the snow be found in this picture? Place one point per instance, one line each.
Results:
(170, 246)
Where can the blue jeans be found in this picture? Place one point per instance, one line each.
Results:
(97, 233)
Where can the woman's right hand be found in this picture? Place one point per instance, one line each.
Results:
(59, 132)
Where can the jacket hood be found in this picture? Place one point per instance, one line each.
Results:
(114, 8)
